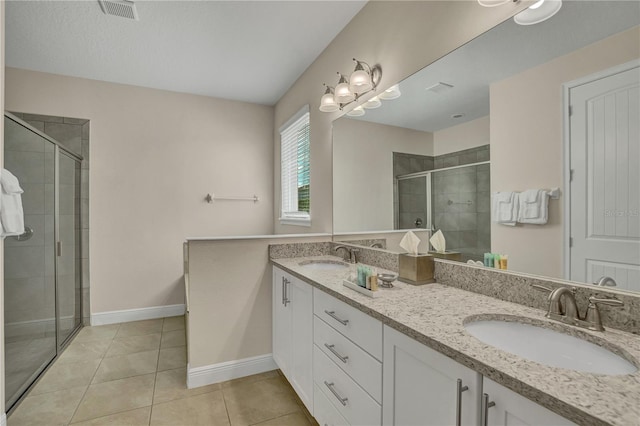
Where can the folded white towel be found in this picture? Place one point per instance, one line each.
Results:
(533, 208)
(11, 212)
(504, 208)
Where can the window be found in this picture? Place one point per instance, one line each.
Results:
(294, 170)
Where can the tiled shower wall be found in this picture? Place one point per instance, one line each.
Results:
(460, 198)
(73, 134)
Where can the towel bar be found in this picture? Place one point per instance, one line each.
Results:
(210, 198)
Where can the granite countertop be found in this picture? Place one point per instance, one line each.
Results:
(435, 314)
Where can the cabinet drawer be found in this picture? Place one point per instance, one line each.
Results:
(324, 412)
(353, 403)
(359, 327)
(358, 364)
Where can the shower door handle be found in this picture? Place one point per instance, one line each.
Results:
(59, 249)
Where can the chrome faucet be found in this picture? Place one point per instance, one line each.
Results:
(350, 254)
(606, 281)
(565, 309)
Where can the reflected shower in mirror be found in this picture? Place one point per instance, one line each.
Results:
(503, 100)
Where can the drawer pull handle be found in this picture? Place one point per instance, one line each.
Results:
(285, 292)
(332, 314)
(333, 351)
(459, 391)
(342, 400)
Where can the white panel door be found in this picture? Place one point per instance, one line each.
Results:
(511, 409)
(419, 385)
(605, 188)
(282, 334)
(301, 376)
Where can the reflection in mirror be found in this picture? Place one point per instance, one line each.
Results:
(499, 107)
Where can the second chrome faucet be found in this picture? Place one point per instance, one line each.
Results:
(563, 308)
(350, 254)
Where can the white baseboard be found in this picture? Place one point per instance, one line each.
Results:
(216, 373)
(115, 317)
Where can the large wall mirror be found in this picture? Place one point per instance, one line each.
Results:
(492, 116)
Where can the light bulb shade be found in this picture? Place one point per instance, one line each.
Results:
(356, 112)
(360, 82)
(392, 92)
(343, 94)
(328, 103)
(372, 103)
(543, 12)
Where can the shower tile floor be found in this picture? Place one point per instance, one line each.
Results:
(135, 374)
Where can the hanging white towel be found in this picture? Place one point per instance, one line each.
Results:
(504, 208)
(11, 212)
(534, 207)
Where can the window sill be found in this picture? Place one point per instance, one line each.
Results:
(295, 221)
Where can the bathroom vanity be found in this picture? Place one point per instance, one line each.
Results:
(406, 357)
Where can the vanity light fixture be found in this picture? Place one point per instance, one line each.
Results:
(364, 79)
(356, 112)
(372, 103)
(538, 12)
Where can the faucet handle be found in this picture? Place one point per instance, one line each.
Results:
(593, 313)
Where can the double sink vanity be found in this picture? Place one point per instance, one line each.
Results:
(440, 355)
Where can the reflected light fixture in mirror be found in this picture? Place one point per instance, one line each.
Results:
(372, 103)
(493, 3)
(356, 112)
(538, 12)
(392, 92)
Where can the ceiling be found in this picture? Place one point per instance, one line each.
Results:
(249, 51)
(502, 52)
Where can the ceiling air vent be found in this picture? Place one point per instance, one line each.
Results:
(121, 8)
(439, 87)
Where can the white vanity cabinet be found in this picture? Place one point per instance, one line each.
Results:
(293, 332)
(510, 409)
(347, 363)
(424, 387)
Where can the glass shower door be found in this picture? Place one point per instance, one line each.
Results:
(413, 206)
(29, 275)
(68, 246)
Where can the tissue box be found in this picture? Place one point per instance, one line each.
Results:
(416, 269)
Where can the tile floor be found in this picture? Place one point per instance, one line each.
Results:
(135, 374)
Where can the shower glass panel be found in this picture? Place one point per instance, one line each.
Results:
(413, 208)
(29, 275)
(461, 209)
(42, 271)
(68, 250)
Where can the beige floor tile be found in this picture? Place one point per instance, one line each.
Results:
(84, 351)
(119, 367)
(173, 323)
(294, 419)
(172, 384)
(101, 332)
(139, 417)
(251, 379)
(66, 375)
(116, 396)
(134, 344)
(140, 328)
(53, 408)
(206, 410)
(171, 339)
(172, 358)
(250, 403)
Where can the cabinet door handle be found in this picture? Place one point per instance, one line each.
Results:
(459, 390)
(333, 315)
(342, 400)
(282, 301)
(333, 351)
(486, 404)
(285, 295)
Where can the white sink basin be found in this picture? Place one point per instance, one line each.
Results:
(549, 347)
(326, 265)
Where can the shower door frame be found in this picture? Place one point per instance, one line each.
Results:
(60, 345)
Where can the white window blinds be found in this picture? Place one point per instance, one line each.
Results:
(295, 170)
